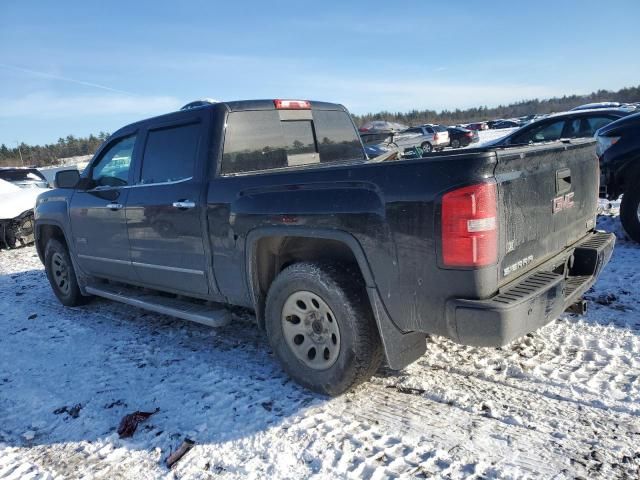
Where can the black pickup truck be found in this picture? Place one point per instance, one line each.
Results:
(273, 205)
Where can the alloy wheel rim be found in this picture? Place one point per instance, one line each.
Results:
(311, 330)
(60, 273)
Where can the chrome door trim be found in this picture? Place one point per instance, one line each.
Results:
(103, 259)
(144, 265)
(168, 269)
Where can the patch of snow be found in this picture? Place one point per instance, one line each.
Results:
(563, 402)
(15, 200)
(485, 136)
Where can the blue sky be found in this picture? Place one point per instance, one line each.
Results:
(78, 67)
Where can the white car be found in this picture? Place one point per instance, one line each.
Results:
(428, 137)
(16, 214)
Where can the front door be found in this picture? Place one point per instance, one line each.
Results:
(164, 211)
(97, 215)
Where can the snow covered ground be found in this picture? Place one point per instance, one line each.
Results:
(563, 402)
(485, 136)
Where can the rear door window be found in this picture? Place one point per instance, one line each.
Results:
(170, 154)
(598, 122)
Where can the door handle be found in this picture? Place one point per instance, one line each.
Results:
(114, 206)
(563, 180)
(184, 204)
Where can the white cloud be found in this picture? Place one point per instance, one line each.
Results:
(48, 105)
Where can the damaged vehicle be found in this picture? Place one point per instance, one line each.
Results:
(16, 214)
(24, 177)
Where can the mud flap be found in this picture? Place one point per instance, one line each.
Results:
(400, 348)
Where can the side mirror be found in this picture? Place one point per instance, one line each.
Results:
(67, 179)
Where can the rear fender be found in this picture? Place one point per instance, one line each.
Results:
(401, 348)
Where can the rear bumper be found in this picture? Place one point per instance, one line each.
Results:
(534, 300)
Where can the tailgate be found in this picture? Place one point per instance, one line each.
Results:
(548, 195)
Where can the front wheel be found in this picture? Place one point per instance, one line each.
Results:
(630, 210)
(455, 143)
(321, 327)
(61, 274)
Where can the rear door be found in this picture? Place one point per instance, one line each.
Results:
(549, 196)
(164, 209)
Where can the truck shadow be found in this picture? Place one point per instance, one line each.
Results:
(71, 374)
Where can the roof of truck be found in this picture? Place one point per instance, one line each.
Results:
(232, 106)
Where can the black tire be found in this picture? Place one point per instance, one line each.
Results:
(57, 264)
(630, 210)
(455, 143)
(359, 353)
(427, 147)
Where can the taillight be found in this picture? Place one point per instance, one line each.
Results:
(435, 137)
(292, 104)
(468, 134)
(470, 226)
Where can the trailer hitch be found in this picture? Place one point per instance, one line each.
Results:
(579, 307)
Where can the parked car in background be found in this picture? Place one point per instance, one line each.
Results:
(462, 137)
(428, 137)
(382, 126)
(618, 149)
(500, 124)
(573, 124)
(375, 150)
(24, 177)
(477, 126)
(596, 105)
(16, 214)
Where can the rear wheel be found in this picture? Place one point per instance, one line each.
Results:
(630, 210)
(321, 327)
(427, 147)
(61, 274)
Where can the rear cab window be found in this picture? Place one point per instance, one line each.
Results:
(264, 140)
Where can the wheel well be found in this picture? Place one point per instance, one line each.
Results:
(624, 176)
(274, 254)
(44, 233)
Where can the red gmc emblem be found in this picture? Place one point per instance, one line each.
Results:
(563, 202)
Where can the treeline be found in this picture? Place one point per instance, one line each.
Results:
(519, 109)
(43, 155)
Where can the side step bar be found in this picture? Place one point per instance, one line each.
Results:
(213, 316)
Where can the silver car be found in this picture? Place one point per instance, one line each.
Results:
(428, 137)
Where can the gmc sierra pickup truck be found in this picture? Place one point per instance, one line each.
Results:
(273, 205)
